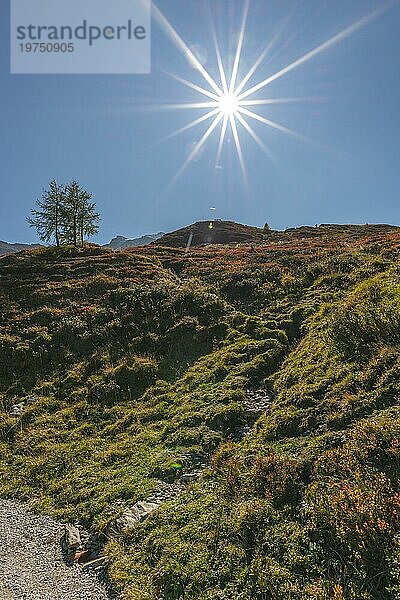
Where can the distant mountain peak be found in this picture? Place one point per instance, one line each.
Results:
(7, 248)
(121, 242)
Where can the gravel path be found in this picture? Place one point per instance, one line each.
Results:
(31, 563)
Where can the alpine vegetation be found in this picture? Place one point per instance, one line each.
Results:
(220, 422)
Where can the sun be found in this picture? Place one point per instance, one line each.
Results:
(229, 104)
(230, 101)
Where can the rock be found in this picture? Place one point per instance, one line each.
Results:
(131, 517)
(72, 538)
(256, 403)
(17, 409)
(165, 492)
(141, 510)
(30, 400)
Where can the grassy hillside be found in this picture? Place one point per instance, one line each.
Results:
(228, 232)
(211, 232)
(135, 362)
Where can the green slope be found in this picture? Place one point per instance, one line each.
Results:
(138, 359)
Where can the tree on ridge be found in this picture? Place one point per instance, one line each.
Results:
(47, 217)
(65, 214)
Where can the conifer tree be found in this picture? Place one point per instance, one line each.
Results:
(88, 219)
(80, 218)
(71, 212)
(47, 218)
(65, 214)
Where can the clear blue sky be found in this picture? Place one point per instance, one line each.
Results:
(92, 127)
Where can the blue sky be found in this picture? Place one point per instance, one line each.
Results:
(93, 127)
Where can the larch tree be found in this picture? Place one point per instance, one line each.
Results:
(47, 217)
(80, 218)
(88, 220)
(65, 214)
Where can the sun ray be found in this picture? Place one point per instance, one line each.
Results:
(238, 146)
(321, 48)
(257, 64)
(239, 47)
(221, 139)
(271, 101)
(251, 131)
(272, 124)
(193, 153)
(180, 44)
(182, 106)
(193, 86)
(190, 125)
(276, 101)
(260, 143)
(219, 57)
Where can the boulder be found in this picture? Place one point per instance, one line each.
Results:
(131, 517)
(17, 409)
(72, 538)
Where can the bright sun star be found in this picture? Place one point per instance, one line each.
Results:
(229, 103)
